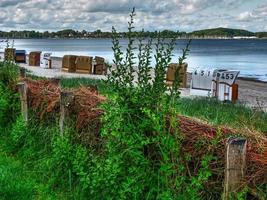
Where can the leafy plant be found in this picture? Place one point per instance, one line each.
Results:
(142, 158)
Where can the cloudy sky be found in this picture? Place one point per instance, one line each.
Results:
(182, 15)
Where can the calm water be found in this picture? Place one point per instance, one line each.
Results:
(248, 56)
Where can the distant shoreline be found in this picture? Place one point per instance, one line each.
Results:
(89, 38)
(214, 33)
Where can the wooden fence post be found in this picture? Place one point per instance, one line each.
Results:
(235, 166)
(22, 88)
(22, 72)
(65, 100)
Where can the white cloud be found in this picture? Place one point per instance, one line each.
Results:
(246, 16)
(260, 13)
(102, 14)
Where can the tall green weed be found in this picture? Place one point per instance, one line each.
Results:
(142, 151)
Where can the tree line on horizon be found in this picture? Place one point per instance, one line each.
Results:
(70, 33)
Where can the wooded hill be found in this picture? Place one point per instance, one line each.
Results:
(221, 32)
(70, 33)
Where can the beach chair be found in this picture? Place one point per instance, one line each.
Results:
(10, 54)
(99, 66)
(227, 88)
(69, 63)
(202, 83)
(170, 77)
(20, 56)
(34, 58)
(84, 64)
(46, 61)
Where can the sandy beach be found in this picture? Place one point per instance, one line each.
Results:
(251, 91)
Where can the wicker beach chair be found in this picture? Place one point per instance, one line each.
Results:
(69, 63)
(170, 77)
(20, 56)
(10, 54)
(34, 58)
(100, 67)
(84, 64)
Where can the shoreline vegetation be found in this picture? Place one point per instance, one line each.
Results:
(215, 33)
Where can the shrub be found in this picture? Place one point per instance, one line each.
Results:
(68, 165)
(142, 157)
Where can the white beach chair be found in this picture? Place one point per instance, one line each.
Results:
(227, 89)
(201, 83)
(45, 61)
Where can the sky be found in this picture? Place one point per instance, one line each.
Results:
(151, 15)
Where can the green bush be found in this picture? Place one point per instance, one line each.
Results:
(142, 158)
(68, 165)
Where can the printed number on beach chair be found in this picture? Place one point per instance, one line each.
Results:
(227, 89)
(201, 83)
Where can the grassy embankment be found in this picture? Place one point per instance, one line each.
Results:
(207, 109)
(37, 164)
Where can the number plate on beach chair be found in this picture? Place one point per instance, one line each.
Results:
(201, 83)
(227, 89)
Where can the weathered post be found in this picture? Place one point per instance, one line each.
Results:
(65, 100)
(235, 166)
(22, 88)
(22, 72)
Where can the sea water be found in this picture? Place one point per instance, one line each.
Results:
(248, 56)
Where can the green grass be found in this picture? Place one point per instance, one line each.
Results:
(22, 169)
(15, 182)
(219, 113)
(77, 82)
